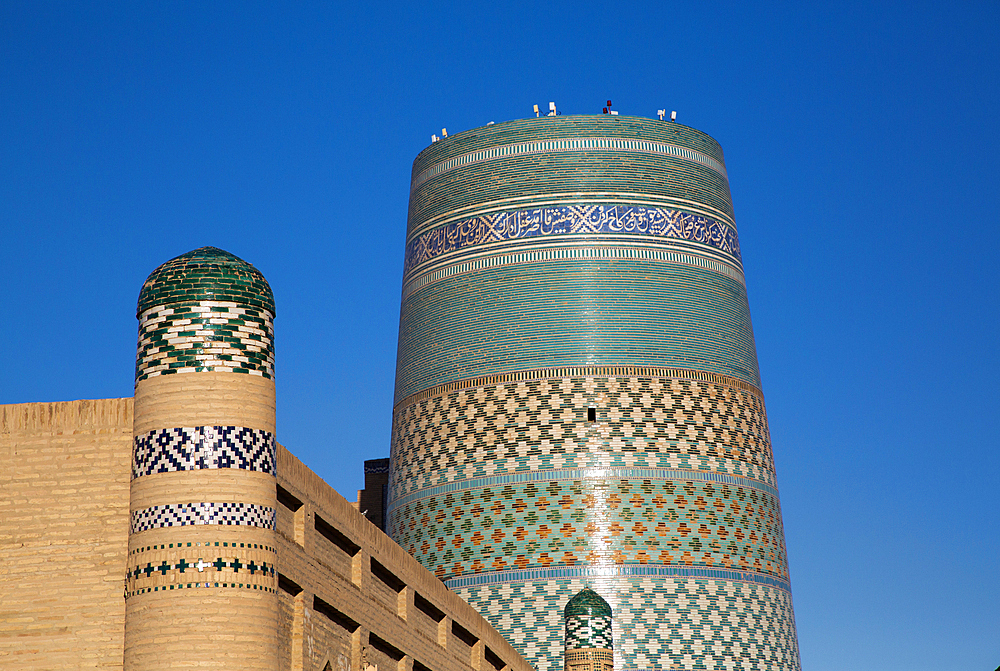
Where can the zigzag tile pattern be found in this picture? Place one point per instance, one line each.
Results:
(197, 447)
(205, 336)
(589, 632)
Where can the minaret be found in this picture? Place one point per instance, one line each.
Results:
(201, 584)
(589, 640)
(578, 398)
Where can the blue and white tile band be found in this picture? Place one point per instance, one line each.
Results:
(615, 571)
(184, 514)
(571, 220)
(203, 447)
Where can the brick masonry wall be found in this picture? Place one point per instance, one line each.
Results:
(315, 570)
(64, 477)
(64, 551)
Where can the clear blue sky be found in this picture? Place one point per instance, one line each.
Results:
(861, 143)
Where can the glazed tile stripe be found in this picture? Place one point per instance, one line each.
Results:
(201, 447)
(200, 566)
(574, 252)
(205, 336)
(568, 144)
(581, 474)
(584, 371)
(570, 220)
(164, 588)
(253, 576)
(183, 514)
(624, 570)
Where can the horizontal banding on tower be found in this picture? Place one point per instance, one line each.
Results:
(577, 390)
(202, 496)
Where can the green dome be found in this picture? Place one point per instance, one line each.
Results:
(206, 274)
(587, 603)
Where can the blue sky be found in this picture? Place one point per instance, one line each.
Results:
(861, 143)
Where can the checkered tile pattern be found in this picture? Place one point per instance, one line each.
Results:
(674, 623)
(183, 514)
(205, 336)
(589, 632)
(194, 448)
(541, 424)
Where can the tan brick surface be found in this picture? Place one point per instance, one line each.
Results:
(64, 552)
(221, 485)
(204, 399)
(64, 478)
(202, 629)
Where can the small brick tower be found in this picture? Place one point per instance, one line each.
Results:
(201, 583)
(589, 640)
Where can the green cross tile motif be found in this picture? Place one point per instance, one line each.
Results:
(219, 564)
(182, 565)
(236, 565)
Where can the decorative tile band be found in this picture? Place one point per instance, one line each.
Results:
(575, 251)
(200, 566)
(203, 447)
(224, 572)
(541, 425)
(188, 585)
(184, 514)
(578, 474)
(570, 220)
(205, 336)
(170, 566)
(625, 570)
(589, 144)
(584, 372)
(589, 632)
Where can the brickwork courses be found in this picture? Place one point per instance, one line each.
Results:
(64, 476)
(64, 552)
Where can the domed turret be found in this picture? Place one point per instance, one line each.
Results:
(203, 469)
(589, 640)
(587, 603)
(205, 310)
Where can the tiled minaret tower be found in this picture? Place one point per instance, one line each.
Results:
(200, 589)
(577, 394)
(589, 639)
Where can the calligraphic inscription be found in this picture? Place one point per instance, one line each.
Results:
(570, 220)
